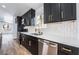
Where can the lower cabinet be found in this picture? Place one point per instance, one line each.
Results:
(34, 46)
(67, 50)
(30, 43)
(26, 42)
(23, 40)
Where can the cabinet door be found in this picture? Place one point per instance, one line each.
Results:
(67, 50)
(20, 38)
(19, 23)
(27, 21)
(74, 11)
(31, 43)
(47, 12)
(28, 16)
(34, 46)
(33, 17)
(19, 20)
(26, 42)
(68, 11)
(23, 40)
(55, 12)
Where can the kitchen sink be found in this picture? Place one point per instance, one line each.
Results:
(37, 33)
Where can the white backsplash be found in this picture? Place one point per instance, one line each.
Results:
(67, 29)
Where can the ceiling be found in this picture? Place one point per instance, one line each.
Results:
(18, 9)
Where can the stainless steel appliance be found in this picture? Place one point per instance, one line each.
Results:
(47, 47)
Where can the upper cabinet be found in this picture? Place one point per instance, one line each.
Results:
(47, 12)
(68, 11)
(20, 24)
(29, 18)
(56, 12)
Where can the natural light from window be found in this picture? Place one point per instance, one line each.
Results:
(8, 18)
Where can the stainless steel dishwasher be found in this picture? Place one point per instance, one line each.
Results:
(52, 48)
(47, 47)
(40, 47)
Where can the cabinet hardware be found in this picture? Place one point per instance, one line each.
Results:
(23, 39)
(29, 43)
(65, 49)
(51, 17)
(62, 15)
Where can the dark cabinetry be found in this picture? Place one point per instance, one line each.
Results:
(67, 50)
(30, 43)
(51, 12)
(29, 17)
(22, 39)
(47, 12)
(68, 11)
(34, 45)
(56, 12)
(20, 25)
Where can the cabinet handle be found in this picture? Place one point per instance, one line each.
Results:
(29, 43)
(65, 49)
(51, 17)
(62, 14)
(22, 21)
(23, 39)
(27, 22)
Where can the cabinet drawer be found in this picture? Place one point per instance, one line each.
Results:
(67, 50)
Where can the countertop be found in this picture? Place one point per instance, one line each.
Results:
(56, 38)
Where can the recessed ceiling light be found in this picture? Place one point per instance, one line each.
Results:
(3, 6)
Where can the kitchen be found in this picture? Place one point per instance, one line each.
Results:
(44, 28)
